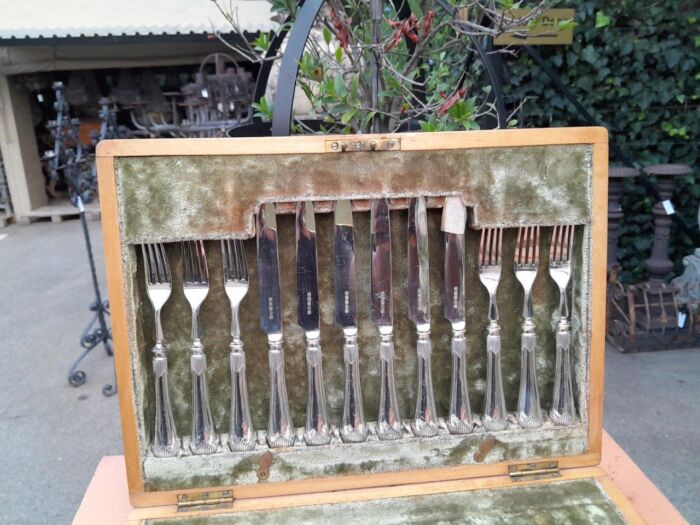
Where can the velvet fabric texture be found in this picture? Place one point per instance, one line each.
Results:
(572, 502)
(173, 198)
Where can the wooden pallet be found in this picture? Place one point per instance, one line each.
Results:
(60, 211)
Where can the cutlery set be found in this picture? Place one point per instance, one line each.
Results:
(317, 431)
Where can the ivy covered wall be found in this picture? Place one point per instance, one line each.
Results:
(636, 67)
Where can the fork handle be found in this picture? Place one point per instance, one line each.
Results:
(241, 435)
(563, 410)
(205, 439)
(529, 410)
(495, 416)
(425, 423)
(166, 442)
(389, 418)
(280, 431)
(460, 419)
(354, 429)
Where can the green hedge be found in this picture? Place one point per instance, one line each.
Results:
(636, 67)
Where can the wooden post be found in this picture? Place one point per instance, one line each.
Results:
(19, 149)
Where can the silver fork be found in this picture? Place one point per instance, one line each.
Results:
(563, 411)
(527, 251)
(204, 439)
(490, 254)
(241, 435)
(166, 442)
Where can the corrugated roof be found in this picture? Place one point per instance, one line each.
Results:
(46, 19)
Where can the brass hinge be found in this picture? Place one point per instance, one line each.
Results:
(219, 499)
(534, 471)
(362, 144)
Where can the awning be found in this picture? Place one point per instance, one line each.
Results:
(42, 19)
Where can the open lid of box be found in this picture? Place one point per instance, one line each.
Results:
(172, 190)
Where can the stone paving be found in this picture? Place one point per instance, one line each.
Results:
(53, 435)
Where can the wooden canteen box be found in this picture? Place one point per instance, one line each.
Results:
(173, 190)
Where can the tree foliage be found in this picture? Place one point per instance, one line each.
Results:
(636, 67)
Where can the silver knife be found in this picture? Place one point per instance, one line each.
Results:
(425, 423)
(353, 429)
(454, 219)
(280, 430)
(317, 430)
(389, 418)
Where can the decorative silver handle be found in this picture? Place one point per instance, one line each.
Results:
(317, 431)
(563, 410)
(460, 419)
(166, 442)
(529, 410)
(241, 435)
(204, 439)
(495, 417)
(425, 423)
(389, 418)
(280, 431)
(354, 429)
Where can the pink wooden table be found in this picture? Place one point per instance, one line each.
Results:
(106, 500)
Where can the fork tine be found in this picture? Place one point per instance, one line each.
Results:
(553, 245)
(518, 246)
(146, 268)
(499, 245)
(155, 267)
(166, 265)
(186, 262)
(236, 260)
(224, 258)
(487, 248)
(570, 241)
(244, 259)
(202, 263)
(536, 258)
(160, 266)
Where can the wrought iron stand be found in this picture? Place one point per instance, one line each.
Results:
(93, 335)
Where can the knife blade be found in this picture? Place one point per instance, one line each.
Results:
(454, 220)
(380, 244)
(344, 267)
(307, 268)
(389, 418)
(418, 269)
(268, 271)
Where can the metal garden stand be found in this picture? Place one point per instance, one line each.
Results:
(93, 335)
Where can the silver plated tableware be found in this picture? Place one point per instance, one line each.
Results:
(527, 252)
(317, 430)
(389, 418)
(204, 438)
(166, 442)
(425, 423)
(280, 430)
(353, 428)
(563, 411)
(454, 220)
(490, 253)
(241, 435)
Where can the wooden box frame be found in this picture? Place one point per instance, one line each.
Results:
(355, 487)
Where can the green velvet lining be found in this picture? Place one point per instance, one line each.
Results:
(546, 185)
(176, 198)
(571, 502)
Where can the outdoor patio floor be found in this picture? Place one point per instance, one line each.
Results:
(53, 435)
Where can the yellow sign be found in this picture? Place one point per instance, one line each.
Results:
(545, 32)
